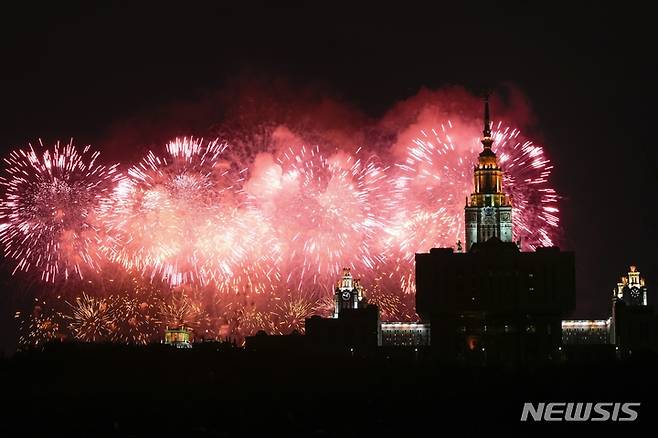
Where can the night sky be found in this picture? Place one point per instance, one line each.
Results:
(588, 75)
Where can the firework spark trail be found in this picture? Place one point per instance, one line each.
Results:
(183, 309)
(290, 313)
(177, 217)
(49, 211)
(92, 319)
(436, 178)
(40, 327)
(393, 306)
(445, 173)
(137, 310)
(266, 242)
(326, 212)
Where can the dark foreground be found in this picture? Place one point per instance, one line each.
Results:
(92, 390)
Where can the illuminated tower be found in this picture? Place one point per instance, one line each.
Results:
(348, 293)
(179, 337)
(489, 211)
(631, 289)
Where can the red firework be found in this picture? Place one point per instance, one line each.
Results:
(50, 207)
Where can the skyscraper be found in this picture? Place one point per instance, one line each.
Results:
(631, 289)
(493, 302)
(488, 212)
(634, 322)
(348, 293)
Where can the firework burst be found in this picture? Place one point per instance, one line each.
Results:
(393, 305)
(40, 327)
(324, 212)
(437, 176)
(137, 314)
(183, 310)
(291, 312)
(50, 208)
(251, 319)
(92, 319)
(163, 212)
(261, 232)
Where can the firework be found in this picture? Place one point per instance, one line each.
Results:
(137, 311)
(325, 306)
(229, 243)
(40, 327)
(324, 211)
(291, 312)
(250, 320)
(92, 319)
(393, 305)
(50, 208)
(182, 310)
(437, 176)
(170, 210)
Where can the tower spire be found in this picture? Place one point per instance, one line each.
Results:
(487, 141)
(488, 213)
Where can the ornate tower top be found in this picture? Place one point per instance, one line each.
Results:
(631, 288)
(487, 158)
(487, 141)
(488, 175)
(348, 293)
(346, 282)
(489, 210)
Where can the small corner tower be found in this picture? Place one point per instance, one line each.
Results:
(631, 289)
(348, 293)
(488, 212)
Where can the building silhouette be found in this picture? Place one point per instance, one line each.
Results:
(631, 289)
(348, 293)
(489, 304)
(405, 334)
(634, 324)
(586, 331)
(631, 328)
(494, 303)
(355, 324)
(488, 212)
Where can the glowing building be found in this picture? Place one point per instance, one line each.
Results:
(178, 337)
(405, 334)
(586, 332)
(631, 289)
(355, 323)
(632, 326)
(494, 303)
(634, 322)
(348, 293)
(488, 213)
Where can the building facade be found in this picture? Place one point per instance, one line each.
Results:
(348, 293)
(355, 325)
(634, 322)
(494, 303)
(586, 331)
(178, 337)
(631, 288)
(405, 334)
(488, 211)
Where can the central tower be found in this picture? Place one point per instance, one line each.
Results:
(488, 212)
(348, 293)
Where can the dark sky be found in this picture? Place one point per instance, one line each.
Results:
(587, 70)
